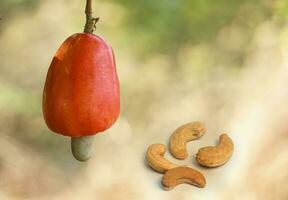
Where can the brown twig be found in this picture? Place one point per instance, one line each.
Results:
(90, 25)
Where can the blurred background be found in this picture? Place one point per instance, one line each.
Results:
(222, 62)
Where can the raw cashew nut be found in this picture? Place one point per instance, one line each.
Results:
(182, 135)
(82, 147)
(155, 158)
(216, 156)
(179, 175)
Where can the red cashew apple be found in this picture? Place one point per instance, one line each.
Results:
(81, 93)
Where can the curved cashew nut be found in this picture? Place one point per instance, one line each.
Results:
(179, 175)
(182, 135)
(216, 156)
(155, 158)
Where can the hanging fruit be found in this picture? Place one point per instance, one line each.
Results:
(81, 93)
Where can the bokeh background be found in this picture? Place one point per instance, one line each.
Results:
(222, 62)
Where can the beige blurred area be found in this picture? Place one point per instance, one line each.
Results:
(233, 77)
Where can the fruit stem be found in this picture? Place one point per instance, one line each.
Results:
(91, 21)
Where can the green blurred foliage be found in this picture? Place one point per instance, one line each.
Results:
(6, 6)
(165, 26)
(282, 9)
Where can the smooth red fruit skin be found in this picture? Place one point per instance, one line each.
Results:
(81, 93)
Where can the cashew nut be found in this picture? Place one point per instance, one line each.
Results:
(216, 156)
(182, 135)
(82, 147)
(155, 158)
(179, 175)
